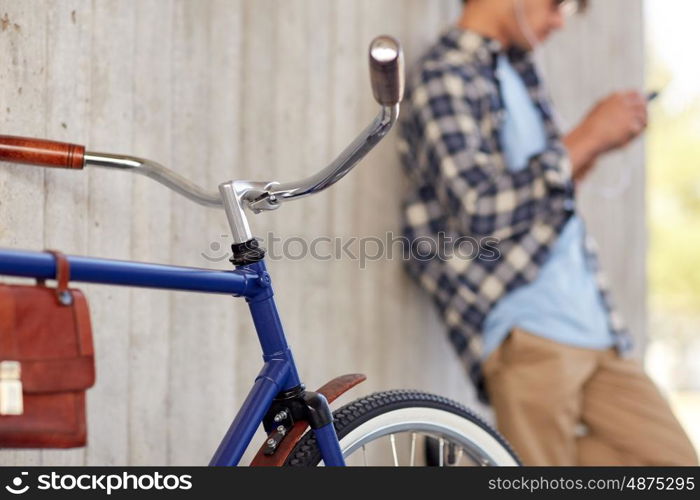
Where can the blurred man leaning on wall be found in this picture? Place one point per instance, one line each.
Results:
(535, 326)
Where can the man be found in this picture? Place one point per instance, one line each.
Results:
(535, 324)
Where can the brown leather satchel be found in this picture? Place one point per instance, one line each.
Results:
(46, 363)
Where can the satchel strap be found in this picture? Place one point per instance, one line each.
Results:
(63, 294)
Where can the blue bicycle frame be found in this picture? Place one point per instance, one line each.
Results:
(279, 373)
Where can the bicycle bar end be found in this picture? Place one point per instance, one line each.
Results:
(387, 70)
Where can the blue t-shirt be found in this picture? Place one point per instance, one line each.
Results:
(563, 303)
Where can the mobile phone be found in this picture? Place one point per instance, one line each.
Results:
(654, 94)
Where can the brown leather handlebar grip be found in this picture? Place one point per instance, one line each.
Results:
(41, 152)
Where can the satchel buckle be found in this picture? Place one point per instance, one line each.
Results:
(10, 388)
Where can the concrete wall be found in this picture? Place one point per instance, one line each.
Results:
(231, 89)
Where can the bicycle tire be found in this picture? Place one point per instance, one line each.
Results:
(364, 415)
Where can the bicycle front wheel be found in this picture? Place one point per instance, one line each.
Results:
(392, 428)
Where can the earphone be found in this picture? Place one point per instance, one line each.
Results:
(625, 179)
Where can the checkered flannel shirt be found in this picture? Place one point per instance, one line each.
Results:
(458, 185)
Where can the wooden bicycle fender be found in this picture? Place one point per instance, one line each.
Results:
(332, 391)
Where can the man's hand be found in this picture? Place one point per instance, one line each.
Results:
(610, 125)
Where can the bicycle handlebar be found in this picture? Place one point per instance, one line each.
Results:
(158, 173)
(387, 76)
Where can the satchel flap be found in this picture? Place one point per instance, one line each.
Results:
(52, 342)
(57, 375)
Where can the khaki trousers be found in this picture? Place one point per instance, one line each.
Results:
(542, 391)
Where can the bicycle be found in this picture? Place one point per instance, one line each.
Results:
(278, 399)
